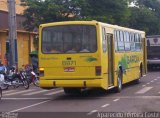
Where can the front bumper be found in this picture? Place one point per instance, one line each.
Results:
(153, 61)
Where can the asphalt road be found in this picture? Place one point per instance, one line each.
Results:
(36, 102)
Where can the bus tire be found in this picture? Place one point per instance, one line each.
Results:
(72, 91)
(137, 81)
(119, 82)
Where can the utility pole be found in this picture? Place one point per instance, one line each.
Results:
(13, 60)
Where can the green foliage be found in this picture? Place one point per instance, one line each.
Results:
(44, 11)
(144, 16)
(110, 11)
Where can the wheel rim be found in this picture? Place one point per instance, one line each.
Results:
(25, 84)
(140, 74)
(17, 83)
(36, 82)
(119, 83)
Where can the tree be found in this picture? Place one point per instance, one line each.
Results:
(110, 11)
(44, 11)
(141, 16)
(144, 19)
(145, 16)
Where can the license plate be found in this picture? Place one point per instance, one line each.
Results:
(69, 69)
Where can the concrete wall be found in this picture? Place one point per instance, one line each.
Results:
(4, 21)
(24, 44)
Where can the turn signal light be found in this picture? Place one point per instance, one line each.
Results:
(41, 72)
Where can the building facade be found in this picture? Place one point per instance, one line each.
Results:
(24, 38)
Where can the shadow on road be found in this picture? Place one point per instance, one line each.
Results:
(94, 93)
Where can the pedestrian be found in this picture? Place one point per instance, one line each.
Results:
(34, 61)
(2, 68)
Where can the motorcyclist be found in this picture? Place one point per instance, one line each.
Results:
(34, 62)
(3, 69)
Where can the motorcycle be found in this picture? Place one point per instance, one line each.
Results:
(14, 79)
(32, 75)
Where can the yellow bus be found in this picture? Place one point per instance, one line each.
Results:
(90, 54)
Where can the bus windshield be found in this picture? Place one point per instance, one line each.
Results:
(69, 39)
(153, 52)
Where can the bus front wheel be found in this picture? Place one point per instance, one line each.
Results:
(137, 81)
(119, 82)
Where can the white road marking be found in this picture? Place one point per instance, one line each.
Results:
(24, 91)
(105, 105)
(54, 92)
(20, 109)
(148, 83)
(115, 100)
(143, 85)
(36, 92)
(8, 91)
(152, 81)
(144, 90)
(25, 98)
(136, 97)
(92, 112)
(155, 79)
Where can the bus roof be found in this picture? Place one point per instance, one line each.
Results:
(90, 22)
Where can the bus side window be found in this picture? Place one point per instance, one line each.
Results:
(140, 39)
(132, 42)
(115, 40)
(104, 40)
(137, 43)
(120, 41)
(126, 41)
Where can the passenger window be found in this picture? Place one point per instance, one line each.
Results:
(120, 41)
(137, 43)
(115, 40)
(127, 43)
(132, 42)
(104, 40)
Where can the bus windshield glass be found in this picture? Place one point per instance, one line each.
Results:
(69, 39)
(153, 52)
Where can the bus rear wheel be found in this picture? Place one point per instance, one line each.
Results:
(119, 82)
(72, 91)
